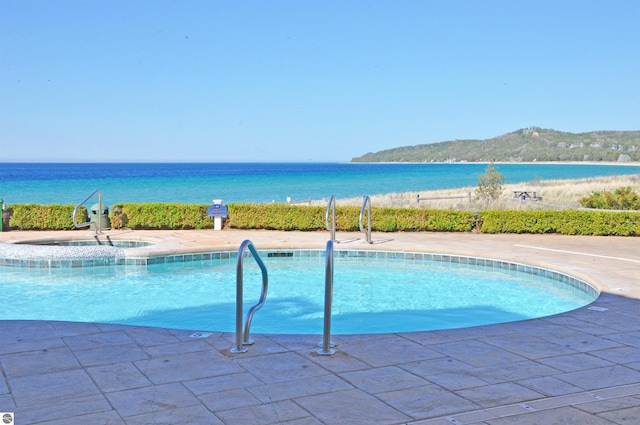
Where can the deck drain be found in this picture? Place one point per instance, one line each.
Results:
(596, 308)
(200, 335)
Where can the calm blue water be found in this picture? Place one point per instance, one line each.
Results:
(257, 182)
(200, 295)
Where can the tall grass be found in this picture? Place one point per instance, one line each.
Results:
(554, 193)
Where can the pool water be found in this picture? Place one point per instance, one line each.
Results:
(371, 295)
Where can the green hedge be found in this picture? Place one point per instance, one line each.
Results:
(292, 217)
(160, 216)
(562, 222)
(44, 217)
(275, 217)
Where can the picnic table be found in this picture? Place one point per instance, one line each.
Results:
(526, 195)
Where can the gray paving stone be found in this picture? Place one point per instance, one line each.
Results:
(550, 386)
(575, 362)
(499, 394)
(25, 330)
(150, 337)
(561, 416)
(222, 383)
(178, 347)
(610, 405)
(628, 416)
(528, 346)
(265, 414)
(457, 380)
(98, 340)
(602, 377)
(513, 371)
(6, 401)
(353, 407)
(21, 346)
(117, 377)
(150, 399)
(427, 368)
(229, 399)
(280, 367)
(427, 402)
(101, 418)
(186, 367)
(477, 353)
(75, 328)
(620, 355)
(337, 363)
(63, 408)
(627, 338)
(181, 415)
(383, 379)
(110, 354)
(38, 362)
(389, 351)
(49, 389)
(278, 391)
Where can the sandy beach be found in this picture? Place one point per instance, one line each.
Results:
(555, 194)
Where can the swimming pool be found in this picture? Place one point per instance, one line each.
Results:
(374, 292)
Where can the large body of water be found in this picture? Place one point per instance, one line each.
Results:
(258, 182)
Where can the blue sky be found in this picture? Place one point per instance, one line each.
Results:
(211, 81)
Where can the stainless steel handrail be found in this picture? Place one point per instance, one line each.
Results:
(332, 229)
(367, 201)
(243, 339)
(328, 300)
(98, 225)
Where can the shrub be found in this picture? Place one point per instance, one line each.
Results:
(275, 217)
(303, 218)
(44, 217)
(490, 183)
(161, 216)
(562, 222)
(623, 198)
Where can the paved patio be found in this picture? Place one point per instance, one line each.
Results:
(580, 367)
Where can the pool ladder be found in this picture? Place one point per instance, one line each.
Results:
(331, 212)
(242, 337)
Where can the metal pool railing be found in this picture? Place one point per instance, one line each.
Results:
(328, 301)
(366, 202)
(243, 338)
(98, 224)
(331, 207)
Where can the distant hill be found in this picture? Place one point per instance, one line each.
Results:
(525, 145)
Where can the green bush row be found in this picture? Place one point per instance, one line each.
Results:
(291, 217)
(563, 222)
(44, 217)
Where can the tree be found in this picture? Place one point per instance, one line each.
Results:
(490, 183)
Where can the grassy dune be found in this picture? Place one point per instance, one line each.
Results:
(555, 194)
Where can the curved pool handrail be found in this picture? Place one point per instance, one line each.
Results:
(98, 225)
(243, 338)
(328, 301)
(366, 202)
(331, 207)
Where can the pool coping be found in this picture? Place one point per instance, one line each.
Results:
(583, 365)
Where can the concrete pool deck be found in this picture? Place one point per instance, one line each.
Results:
(579, 367)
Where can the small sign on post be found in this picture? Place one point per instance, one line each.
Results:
(219, 212)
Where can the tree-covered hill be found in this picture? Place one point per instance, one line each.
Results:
(525, 145)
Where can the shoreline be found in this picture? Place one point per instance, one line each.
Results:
(607, 163)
